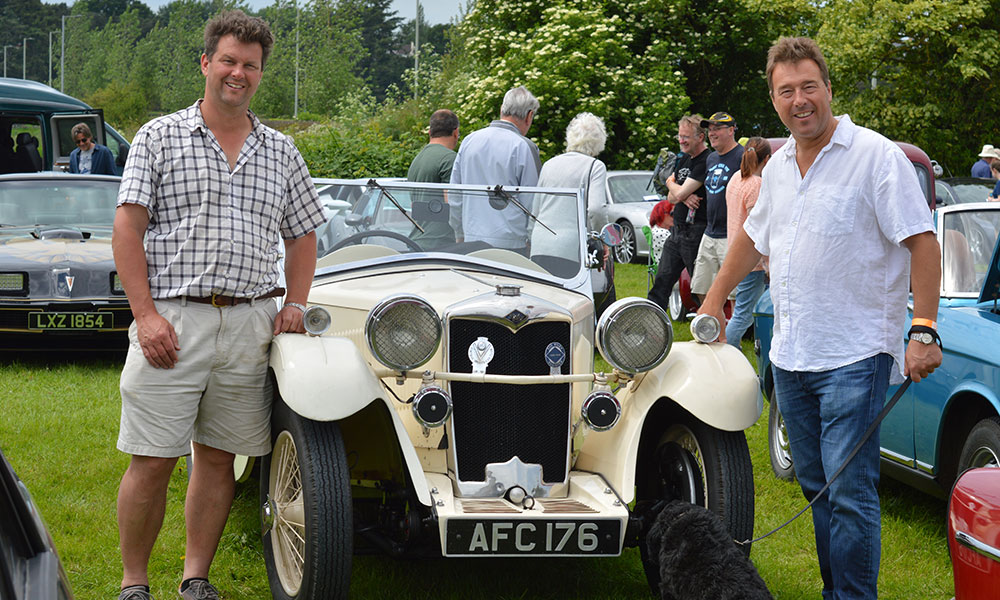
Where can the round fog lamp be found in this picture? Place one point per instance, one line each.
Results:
(316, 320)
(432, 406)
(705, 328)
(634, 335)
(601, 411)
(403, 332)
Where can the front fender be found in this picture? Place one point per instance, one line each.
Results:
(327, 379)
(713, 382)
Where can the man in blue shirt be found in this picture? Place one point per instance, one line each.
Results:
(89, 156)
(721, 164)
(499, 154)
(981, 168)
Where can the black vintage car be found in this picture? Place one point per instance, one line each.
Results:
(58, 286)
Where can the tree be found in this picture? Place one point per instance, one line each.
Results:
(918, 71)
(384, 63)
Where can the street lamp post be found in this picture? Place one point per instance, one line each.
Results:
(50, 56)
(5, 57)
(62, 53)
(24, 58)
(416, 53)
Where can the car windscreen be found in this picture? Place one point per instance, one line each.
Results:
(967, 245)
(74, 201)
(630, 188)
(534, 229)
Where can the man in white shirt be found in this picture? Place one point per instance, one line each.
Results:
(499, 154)
(842, 217)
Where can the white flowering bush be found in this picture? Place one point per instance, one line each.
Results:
(574, 57)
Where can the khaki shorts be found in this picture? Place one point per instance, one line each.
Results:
(711, 253)
(215, 394)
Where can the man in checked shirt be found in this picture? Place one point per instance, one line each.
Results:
(211, 189)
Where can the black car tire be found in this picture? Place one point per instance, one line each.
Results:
(777, 443)
(702, 465)
(982, 447)
(626, 251)
(306, 477)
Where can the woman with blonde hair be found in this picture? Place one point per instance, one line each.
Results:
(741, 195)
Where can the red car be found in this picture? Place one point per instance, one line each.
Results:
(974, 534)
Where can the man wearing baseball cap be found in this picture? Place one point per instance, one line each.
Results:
(721, 164)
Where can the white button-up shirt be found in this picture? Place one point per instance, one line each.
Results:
(839, 274)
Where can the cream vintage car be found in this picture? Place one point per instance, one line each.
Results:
(446, 399)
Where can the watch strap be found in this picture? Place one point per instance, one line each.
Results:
(925, 329)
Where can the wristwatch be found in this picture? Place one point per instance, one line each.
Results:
(922, 337)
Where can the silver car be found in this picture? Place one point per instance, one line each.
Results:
(630, 199)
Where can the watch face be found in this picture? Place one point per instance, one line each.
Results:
(923, 338)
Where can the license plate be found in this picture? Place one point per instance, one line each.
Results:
(558, 537)
(70, 320)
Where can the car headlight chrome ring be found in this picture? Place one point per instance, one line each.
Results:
(634, 335)
(403, 332)
(316, 320)
(705, 328)
(431, 406)
(601, 410)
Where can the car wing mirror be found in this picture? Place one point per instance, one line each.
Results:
(611, 235)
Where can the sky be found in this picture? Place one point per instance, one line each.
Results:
(435, 11)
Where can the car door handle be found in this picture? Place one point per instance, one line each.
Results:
(977, 546)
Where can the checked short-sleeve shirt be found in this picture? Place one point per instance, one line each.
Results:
(212, 230)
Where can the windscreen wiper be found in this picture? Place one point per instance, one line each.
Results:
(375, 184)
(504, 194)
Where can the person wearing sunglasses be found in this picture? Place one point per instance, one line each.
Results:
(89, 156)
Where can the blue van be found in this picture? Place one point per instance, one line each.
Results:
(35, 125)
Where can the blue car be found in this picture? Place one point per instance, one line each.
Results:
(950, 421)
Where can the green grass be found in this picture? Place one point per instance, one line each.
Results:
(59, 423)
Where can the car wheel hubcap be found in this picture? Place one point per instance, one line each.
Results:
(779, 438)
(984, 457)
(682, 468)
(676, 305)
(625, 251)
(287, 514)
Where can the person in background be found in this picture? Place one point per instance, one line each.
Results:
(720, 166)
(981, 168)
(89, 156)
(831, 245)
(500, 154)
(995, 174)
(433, 164)
(577, 168)
(685, 193)
(741, 195)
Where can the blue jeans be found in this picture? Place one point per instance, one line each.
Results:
(748, 292)
(826, 413)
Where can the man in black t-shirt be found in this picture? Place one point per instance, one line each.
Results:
(721, 165)
(686, 193)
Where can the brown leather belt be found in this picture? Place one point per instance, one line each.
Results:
(220, 300)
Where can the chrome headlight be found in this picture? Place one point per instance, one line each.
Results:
(705, 328)
(634, 335)
(316, 320)
(403, 332)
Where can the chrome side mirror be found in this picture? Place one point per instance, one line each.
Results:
(611, 235)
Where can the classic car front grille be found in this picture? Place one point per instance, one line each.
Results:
(496, 422)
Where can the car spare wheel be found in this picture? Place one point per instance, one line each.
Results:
(306, 509)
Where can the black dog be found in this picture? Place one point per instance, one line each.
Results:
(698, 559)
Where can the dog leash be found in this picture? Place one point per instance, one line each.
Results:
(871, 429)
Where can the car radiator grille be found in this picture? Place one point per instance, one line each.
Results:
(496, 422)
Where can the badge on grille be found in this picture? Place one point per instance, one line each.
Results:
(555, 356)
(480, 353)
